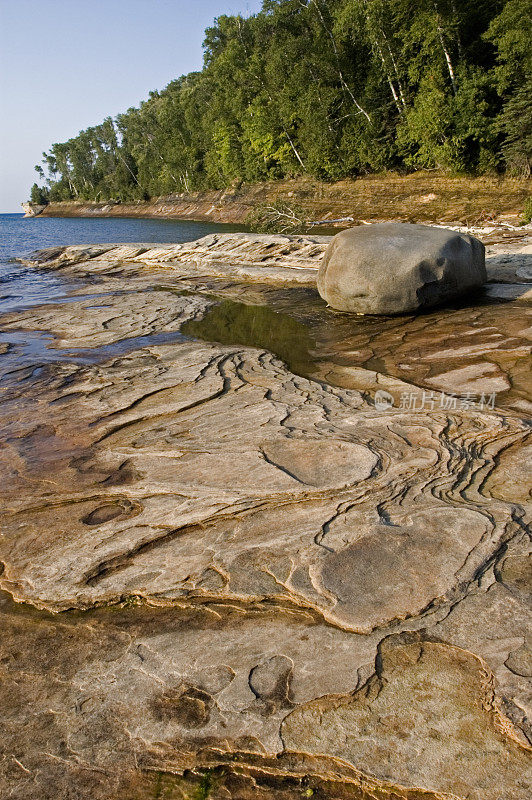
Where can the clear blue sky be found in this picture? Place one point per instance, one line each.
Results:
(67, 64)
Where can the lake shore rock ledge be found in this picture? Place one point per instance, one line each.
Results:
(227, 573)
(396, 268)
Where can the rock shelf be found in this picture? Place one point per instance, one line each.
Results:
(220, 576)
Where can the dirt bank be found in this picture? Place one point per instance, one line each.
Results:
(421, 197)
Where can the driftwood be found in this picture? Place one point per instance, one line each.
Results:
(331, 221)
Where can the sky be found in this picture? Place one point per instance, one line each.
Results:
(68, 64)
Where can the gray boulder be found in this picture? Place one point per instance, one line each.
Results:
(394, 268)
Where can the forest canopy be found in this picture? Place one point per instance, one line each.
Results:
(324, 88)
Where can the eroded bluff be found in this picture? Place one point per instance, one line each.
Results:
(235, 582)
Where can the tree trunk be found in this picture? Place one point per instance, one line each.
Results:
(343, 83)
(445, 51)
(293, 148)
(392, 59)
(388, 77)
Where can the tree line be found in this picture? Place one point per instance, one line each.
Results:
(324, 88)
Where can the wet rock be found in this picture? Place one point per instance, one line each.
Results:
(394, 268)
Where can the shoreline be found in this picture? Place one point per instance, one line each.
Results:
(271, 258)
(420, 197)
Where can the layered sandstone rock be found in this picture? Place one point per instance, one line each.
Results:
(233, 581)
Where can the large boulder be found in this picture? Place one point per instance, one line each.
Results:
(394, 268)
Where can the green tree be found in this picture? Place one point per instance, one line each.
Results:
(511, 34)
(39, 195)
(325, 88)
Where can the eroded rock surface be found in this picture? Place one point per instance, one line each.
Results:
(453, 718)
(236, 580)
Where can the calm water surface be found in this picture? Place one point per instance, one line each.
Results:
(25, 286)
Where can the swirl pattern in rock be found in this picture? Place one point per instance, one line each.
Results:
(226, 570)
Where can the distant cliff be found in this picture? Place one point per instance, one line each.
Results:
(204, 206)
(32, 209)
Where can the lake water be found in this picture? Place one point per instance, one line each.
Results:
(25, 286)
(20, 236)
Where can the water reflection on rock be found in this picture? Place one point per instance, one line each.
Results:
(464, 350)
(233, 323)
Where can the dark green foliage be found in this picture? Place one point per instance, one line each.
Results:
(39, 195)
(515, 122)
(511, 33)
(325, 88)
